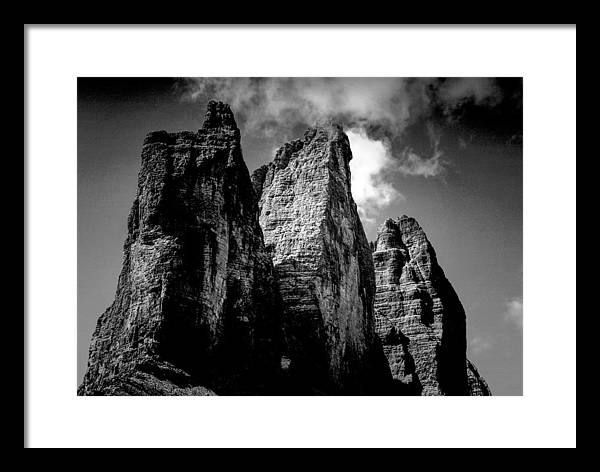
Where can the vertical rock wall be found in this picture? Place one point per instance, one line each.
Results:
(323, 264)
(419, 317)
(196, 308)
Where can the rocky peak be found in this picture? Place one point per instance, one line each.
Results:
(196, 309)
(218, 116)
(323, 263)
(326, 140)
(328, 128)
(326, 132)
(388, 236)
(395, 232)
(414, 298)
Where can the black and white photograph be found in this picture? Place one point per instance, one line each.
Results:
(300, 236)
(235, 237)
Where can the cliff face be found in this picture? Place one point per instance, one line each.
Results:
(418, 315)
(196, 308)
(323, 264)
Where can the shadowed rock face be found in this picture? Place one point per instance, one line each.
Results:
(196, 308)
(323, 264)
(419, 317)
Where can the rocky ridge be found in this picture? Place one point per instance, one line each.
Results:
(268, 285)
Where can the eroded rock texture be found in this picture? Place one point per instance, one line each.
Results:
(323, 264)
(478, 387)
(196, 309)
(419, 317)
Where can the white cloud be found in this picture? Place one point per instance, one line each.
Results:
(412, 163)
(481, 91)
(391, 103)
(382, 108)
(271, 101)
(514, 312)
(370, 160)
(372, 164)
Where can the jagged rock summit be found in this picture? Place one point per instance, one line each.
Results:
(219, 117)
(323, 264)
(196, 310)
(419, 316)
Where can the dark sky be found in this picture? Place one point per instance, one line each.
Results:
(445, 151)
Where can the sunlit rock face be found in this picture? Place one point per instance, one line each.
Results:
(323, 264)
(196, 310)
(419, 317)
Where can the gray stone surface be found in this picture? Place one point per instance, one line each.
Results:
(323, 264)
(419, 317)
(196, 309)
